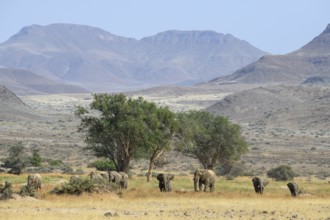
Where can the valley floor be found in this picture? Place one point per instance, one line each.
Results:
(233, 199)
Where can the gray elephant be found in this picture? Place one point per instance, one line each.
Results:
(165, 182)
(98, 176)
(259, 184)
(124, 180)
(34, 181)
(293, 187)
(115, 178)
(204, 177)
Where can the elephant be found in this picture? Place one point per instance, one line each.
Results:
(259, 184)
(99, 175)
(116, 178)
(293, 187)
(34, 181)
(124, 180)
(96, 176)
(165, 182)
(204, 177)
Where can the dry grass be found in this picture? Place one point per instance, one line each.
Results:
(232, 199)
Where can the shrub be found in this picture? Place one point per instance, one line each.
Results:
(79, 186)
(6, 191)
(36, 159)
(282, 173)
(28, 190)
(17, 159)
(67, 168)
(55, 163)
(76, 187)
(103, 165)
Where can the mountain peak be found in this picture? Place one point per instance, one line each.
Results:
(327, 30)
(98, 60)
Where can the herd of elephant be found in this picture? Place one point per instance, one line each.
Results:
(205, 179)
(118, 178)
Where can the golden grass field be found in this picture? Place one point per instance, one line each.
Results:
(232, 199)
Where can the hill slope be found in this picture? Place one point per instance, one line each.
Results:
(99, 60)
(13, 108)
(24, 82)
(291, 107)
(311, 60)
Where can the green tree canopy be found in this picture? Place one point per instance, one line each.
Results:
(16, 159)
(211, 139)
(121, 128)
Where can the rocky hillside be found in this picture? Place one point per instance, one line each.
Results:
(13, 108)
(312, 60)
(295, 108)
(24, 82)
(99, 60)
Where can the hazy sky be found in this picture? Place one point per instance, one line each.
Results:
(275, 26)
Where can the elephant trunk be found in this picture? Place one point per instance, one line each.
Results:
(196, 180)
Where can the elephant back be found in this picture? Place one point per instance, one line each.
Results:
(115, 177)
(34, 180)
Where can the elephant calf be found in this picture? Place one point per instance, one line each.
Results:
(165, 182)
(124, 180)
(293, 187)
(259, 184)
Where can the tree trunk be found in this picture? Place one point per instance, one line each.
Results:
(151, 166)
(126, 163)
(153, 157)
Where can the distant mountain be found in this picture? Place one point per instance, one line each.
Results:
(98, 60)
(312, 60)
(24, 82)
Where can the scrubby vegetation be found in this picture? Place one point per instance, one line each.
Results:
(282, 173)
(102, 165)
(78, 186)
(6, 191)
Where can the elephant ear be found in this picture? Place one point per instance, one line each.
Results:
(171, 176)
(160, 177)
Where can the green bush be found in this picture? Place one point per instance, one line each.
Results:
(78, 186)
(55, 163)
(17, 159)
(28, 190)
(103, 165)
(6, 191)
(282, 173)
(36, 159)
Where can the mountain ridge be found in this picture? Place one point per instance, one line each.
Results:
(313, 59)
(98, 60)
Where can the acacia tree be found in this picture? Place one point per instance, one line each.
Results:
(162, 124)
(16, 159)
(121, 128)
(211, 139)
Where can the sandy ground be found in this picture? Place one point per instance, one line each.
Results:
(166, 207)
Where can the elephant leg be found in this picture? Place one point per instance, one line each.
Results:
(212, 187)
(169, 187)
(200, 186)
(207, 184)
(166, 187)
